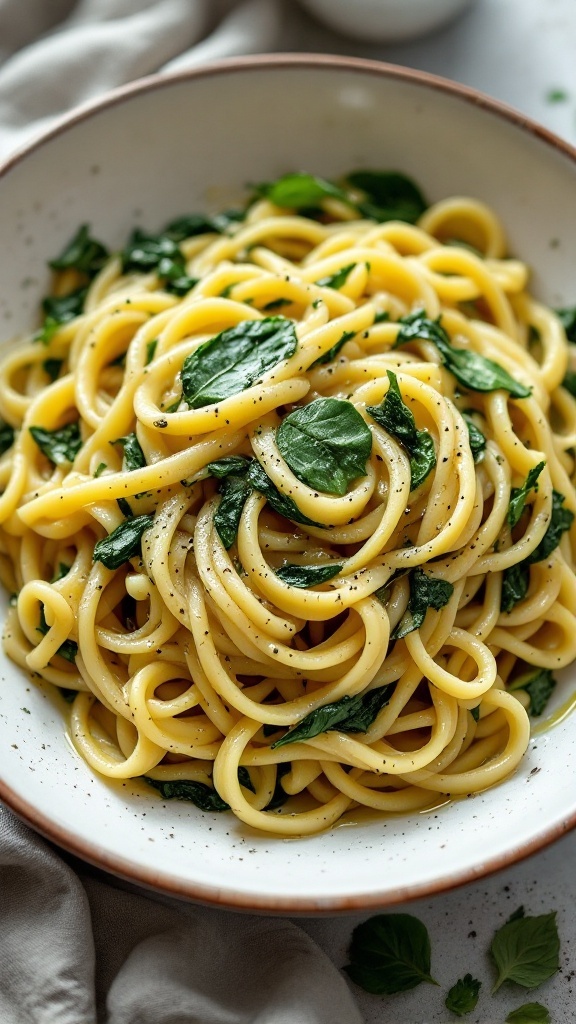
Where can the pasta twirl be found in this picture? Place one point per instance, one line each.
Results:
(288, 508)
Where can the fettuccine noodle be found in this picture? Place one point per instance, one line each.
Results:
(416, 619)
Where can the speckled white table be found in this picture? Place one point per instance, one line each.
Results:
(524, 53)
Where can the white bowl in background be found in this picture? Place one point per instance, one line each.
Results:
(170, 145)
(385, 21)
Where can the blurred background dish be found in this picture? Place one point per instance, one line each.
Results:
(385, 21)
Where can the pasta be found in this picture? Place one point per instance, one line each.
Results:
(288, 503)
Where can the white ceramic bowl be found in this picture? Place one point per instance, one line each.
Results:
(385, 21)
(171, 145)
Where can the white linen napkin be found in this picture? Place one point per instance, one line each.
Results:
(75, 949)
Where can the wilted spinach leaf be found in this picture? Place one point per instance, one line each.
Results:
(539, 687)
(133, 455)
(425, 592)
(308, 575)
(123, 543)
(59, 446)
(349, 714)
(394, 415)
(518, 495)
(326, 444)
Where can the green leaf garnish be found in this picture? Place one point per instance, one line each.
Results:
(326, 444)
(518, 495)
(471, 370)
(568, 319)
(6, 437)
(331, 354)
(308, 575)
(234, 491)
(515, 583)
(68, 650)
(425, 592)
(529, 1013)
(394, 415)
(59, 310)
(236, 359)
(463, 996)
(539, 686)
(52, 368)
(476, 438)
(281, 503)
(59, 446)
(337, 279)
(389, 196)
(390, 953)
(134, 457)
(299, 191)
(82, 253)
(237, 464)
(349, 714)
(203, 796)
(145, 252)
(526, 951)
(151, 350)
(123, 543)
(569, 382)
(561, 520)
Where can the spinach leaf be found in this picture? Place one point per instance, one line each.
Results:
(281, 503)
(6, 437)
(515, 583)
(234, 490)
(133, 455)
(193, 224)
(475, 712)
(145, 252)
(331, 354)
(349, 714)
(425, 592)
(539, 687)
(308, 575)
(203, 796)
(124, 507)
(123, 543)
(526, 951)
(326, 444)
(394, 415)
(245, 780)
(389, 196)
(569, 382)
(236, 359)
(151, 350)
(279, 796)
(68, 650)
(298, 191)
(463, 996)
(529, 1013)
(390, 953)
(568, 319)
(381, 316)
(82, 253)
(518, 495)
(68, 695)
(59, 446)
(561, 520)
(63, 571)
(100, 469)
(276, 304)
(237, 464)
(59, 310)
(471, 370)
(476, 438)
(337, 279)
(52, 368)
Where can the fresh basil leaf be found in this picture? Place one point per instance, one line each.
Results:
(68, 650)
(82, 253)
(199, 793)
(568, 319)
(236, 464)
(349, 714)
(59, 446)
(390, 953)
(124, 507)
(298, 191)
(6, 437)
(463, 996)
(515, 583)
(539, 687)
(394, 415)
(561, 520)
(234, 492)
(281, 503)
(529, 1013)
(425, 592)
(134, 457)
(336, 280)
(236, 359)
(389, 196)
(471, 370)
(476, 438)
(331, 354)
(569, 382)
(518, 495)
(526, 951)
(123, 543)
(245, 780)
(308, 575)
(52, 368)
(151, 350)
(326, 444)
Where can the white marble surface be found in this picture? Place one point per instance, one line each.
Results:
(521, 52)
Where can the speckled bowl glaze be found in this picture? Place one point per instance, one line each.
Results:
(169, 145)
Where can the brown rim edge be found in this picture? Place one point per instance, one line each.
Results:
(157, 880)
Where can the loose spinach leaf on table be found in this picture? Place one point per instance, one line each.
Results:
(471, 370)
(337, 279)
(390, 953)
(529, 1013)
(236, 359)
(394, 415)
(308, 575)
(526, 951)
(133, 455)
(6, 437)
(515, 583)
(425, 592)
(59, 446)
(68, 650)
(539, 687)
(281, 503)
(463, 996)
(476, 438)
(326, 444)
(518, 495)
(349, 714)
(82, 253)
(123, 543)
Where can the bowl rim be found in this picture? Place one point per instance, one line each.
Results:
(170, 884)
